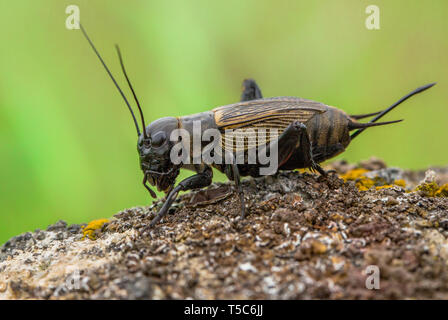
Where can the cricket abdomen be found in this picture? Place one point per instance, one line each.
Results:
(329, 134)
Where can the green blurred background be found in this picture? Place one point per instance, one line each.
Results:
(68, 145)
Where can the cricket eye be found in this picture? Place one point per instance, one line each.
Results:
(147, 143)
(158, 139)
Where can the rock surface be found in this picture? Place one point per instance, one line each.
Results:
(306, 237)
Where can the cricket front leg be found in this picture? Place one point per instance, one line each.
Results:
(200, 180)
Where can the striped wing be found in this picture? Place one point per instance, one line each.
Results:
(250, 121)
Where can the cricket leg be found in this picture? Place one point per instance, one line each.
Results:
(282, 149)
(200, 180)
(295, 136)
(250, 91)
(307, 149)
(239, 187)
(232, 172)
(152, 193)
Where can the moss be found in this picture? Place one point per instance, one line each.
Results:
(92, 228)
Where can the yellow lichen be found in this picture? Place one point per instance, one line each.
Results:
(91, 230)
(363, 183)
(428, 189)
(443, 191)
(400, 183)
(432, 189)
(305, 170)
(354, 174)
(386, 186)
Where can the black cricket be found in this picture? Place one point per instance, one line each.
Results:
(310, 132)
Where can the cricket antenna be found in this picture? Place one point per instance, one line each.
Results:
(133, 92)
(385, 111)
(112, 77)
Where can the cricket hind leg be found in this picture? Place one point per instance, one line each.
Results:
(295, 135)
(307, 149)
(292, 142)
(297, 131)
(251, 91)
(303, 155)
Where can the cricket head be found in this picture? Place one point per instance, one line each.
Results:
(154, 148)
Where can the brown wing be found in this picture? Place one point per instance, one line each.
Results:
(266, 114)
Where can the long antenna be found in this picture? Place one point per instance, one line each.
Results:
(382, 113)
(112, 77)
(133, 92)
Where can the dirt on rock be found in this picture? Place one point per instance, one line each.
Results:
(305, 237)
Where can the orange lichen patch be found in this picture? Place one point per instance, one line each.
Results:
(443, 191)
(92, 228)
